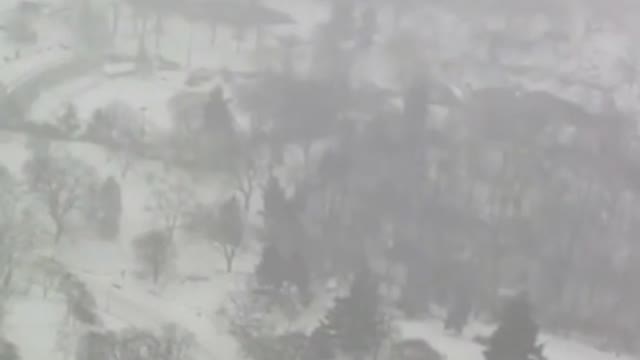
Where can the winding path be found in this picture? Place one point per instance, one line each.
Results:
(138, 308)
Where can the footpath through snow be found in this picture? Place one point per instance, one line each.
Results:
(133, 306)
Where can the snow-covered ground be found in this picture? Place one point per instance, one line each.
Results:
(464, 348)
(101, 263)
(20, 61)
(52, 103)
(33, 323)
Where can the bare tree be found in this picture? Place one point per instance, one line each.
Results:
(245, 161)
(173, 343)
(123, 127)
(176, 343)
(137, 344)
(48, 273)
(170, 202)
(231, 231)
(223, 226)
(61, 182)
(18, 228)
(155, 252)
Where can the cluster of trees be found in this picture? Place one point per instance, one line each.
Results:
(509, 187)
(516, 335)
(176, 208)
(355, 326)
(171, 343)
(63, 184)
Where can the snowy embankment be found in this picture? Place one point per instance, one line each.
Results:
(99, 263)
(18, 72)
(51, 104)
(464, 348)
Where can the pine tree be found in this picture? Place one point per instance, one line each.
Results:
(368, 27)
(355, 323)
(417, 291)
(460, 305)
(144, 63)
(516, 336)
(319, 346)
(110, 208)
(274, 200)
(218, 118)
(270, 271)
(458, 314)
(299, 276)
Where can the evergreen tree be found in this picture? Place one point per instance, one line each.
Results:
(92, 27)
(299, 276)
(319, 346)
(416, 295)
(95, 345)
(459, 300)
(355, 324)
(368, 27)
(274, 200)
(270, 270)
(458, 313)
(342, 22)
(516, 336)
(110, 208)
(144, 63)
(217, 116)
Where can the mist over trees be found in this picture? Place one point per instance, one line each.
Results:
(459, 161)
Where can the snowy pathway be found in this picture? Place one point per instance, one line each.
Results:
(464, 348)
(150, 311)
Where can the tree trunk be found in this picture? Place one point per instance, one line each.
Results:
(229, 256)
(143, 29)
(189, 46)
(306, 152)
(6, 282)
(158, 30)
(155, 274)
(214, 34)
(116, 18)
(59, 231)
(124, 170)
(229, 262)
(246, 189)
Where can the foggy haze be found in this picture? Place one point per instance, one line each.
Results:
(319, 180)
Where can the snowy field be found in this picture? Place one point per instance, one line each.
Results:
(18, 61)
(464, 348)
(101, 263)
